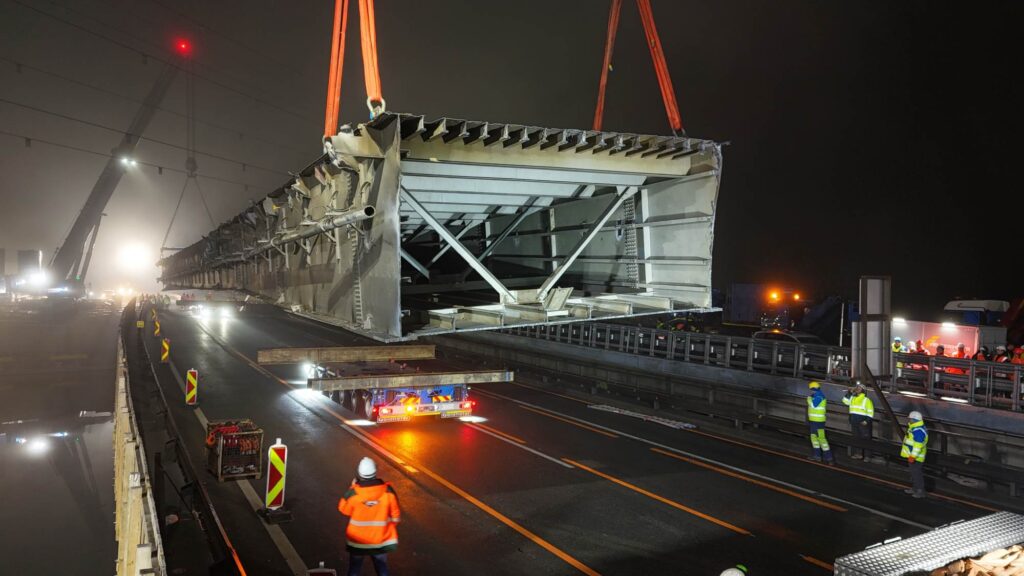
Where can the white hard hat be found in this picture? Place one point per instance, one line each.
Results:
(1000, 347)
(733, 572)
(915, 415)
(367, 468)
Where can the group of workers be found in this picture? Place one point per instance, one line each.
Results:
(862, 415)
(1009, 353)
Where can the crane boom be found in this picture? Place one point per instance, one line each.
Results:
(65, 262)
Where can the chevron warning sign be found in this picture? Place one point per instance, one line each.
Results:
(156, 327)
(192, 387)
(165, 351)
(277, 464)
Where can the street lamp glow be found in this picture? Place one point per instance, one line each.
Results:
(134, 257)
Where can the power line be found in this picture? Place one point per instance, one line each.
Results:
(244, 165)
(268, 57)
(30, 140)
(159, 47)
(22, 65)
(131, 48)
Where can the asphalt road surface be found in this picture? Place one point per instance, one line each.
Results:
(541, 483)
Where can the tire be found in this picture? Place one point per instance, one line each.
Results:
(368, 407)
(346, 400)
(336, 397)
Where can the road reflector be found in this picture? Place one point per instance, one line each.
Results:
(165, 351)
(140, 324)
(192, 387)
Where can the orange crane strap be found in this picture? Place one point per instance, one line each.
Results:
(668, 94)
(371, 71)
(609, 47)
(337, 62)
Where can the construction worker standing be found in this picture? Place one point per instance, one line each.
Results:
(816, 413)
(862, 417)
(915, 448)
(372, 507)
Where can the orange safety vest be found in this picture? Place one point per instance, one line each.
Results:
(373, 514)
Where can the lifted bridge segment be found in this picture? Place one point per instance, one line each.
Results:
(408, 226)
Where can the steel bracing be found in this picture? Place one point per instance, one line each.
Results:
(409, 226)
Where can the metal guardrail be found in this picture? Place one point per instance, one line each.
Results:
(975, 382)
(754, 355)
(986, 384)
(136, 524)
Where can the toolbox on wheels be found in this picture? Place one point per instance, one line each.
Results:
(234, 449)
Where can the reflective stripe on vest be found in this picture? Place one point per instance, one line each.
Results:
(913, 448)
(815, 413)
(861, 405)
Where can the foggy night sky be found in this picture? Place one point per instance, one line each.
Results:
(866, 137)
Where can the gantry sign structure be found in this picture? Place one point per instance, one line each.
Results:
(408, 226)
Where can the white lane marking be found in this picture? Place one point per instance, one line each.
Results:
(181, 384)
(284, 545)
(291, 556)
(717, 463)
(517, 445)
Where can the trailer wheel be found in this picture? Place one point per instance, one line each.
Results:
(368, 408)
(346, 399)
(336, 397)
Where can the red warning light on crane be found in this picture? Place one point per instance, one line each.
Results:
(184, 47)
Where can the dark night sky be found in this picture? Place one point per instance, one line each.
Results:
(867, 137)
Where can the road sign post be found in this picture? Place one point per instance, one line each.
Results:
(192, 387)
(277, 467)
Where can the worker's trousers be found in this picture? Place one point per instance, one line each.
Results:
(917, 475)
(861, 426)
(819, 442)
(355, 564)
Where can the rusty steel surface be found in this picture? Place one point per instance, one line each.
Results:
(381, 381)
(346, 354)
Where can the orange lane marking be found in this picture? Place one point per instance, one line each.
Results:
(818, 563)
(564, 556)
(567, 421)
(754, 481)
(502, 434)
(521, 385)
(835, 469)
(662, 499)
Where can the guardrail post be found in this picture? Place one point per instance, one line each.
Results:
(1016, 389)
(687, 347)
(930, 386)
(750, 355)
(775, 357)
(707, 349)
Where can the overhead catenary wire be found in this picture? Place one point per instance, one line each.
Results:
(131, 48)
(219, 72)
(19, 65)
(244, 164)
(29, 140)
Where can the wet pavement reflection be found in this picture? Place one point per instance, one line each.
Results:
(56, 460)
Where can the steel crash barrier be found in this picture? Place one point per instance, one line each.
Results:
(765, 356)
(136, 524)
(979, 383)
(985, 384)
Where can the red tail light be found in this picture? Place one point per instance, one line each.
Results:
(385, 411)
(467, 405)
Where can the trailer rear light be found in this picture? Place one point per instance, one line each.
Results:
(409, 408)
(385, 411)
(467, 405)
